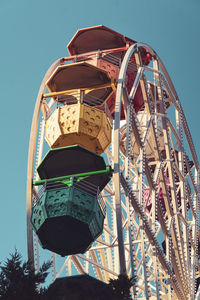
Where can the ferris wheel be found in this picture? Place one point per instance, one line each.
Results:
(113, 176)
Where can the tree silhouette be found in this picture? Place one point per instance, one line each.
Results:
(85, 287)
(18, 279)
(121, 287)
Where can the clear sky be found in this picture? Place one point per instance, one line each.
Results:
(33, 34)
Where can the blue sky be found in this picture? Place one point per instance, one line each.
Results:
(33, 34)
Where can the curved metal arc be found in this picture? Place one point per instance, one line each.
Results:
(181, 217)
(116, 178)
(176, 100)
(32, 145)
(154, 54)
(119, 93)
(116, 175)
